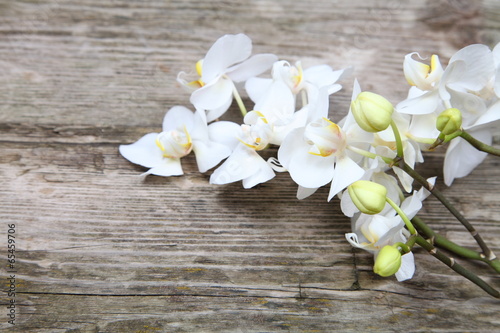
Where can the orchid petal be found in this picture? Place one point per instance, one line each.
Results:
(251, 67)
(209, 154)
(347, 205)
(213, 95)
(216, 113)
(178, 116)
(480, 66)
(423, 104)
(493, 114)
(346, 172)
(243, 164)
(144, 151)
(170, 167)
(407, 268)
(304, 192)
(225, 52)
(225, 132)
(461, 158)
(256, 87)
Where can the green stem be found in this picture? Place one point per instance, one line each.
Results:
(403, 246)
(479, 145)
(445, 243)
(420, 179)
(450, 262)
(397, 136)
(237, 97)
(368, 154)
(403, 216)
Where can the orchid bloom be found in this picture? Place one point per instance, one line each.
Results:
(310, 80)
(227, 62)
(318, 153)
(245, 163)
(183, 132)
(467, 84)
(277, 107)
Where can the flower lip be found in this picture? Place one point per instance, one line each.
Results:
(175, 143)
(325, 138)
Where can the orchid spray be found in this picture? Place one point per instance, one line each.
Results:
(368, 158)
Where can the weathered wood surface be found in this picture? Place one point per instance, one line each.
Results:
(102, 250)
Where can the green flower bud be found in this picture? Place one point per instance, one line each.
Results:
(369, 197)
(388, 261)
(449, 121)
(372, 112)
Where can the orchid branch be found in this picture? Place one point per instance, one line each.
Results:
(445, 243)
(489, 255)
(450, 262)
(478, 144)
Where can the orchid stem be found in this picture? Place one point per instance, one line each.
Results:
(368, 154)
(403, 216)
(450, 262)
(479, 145)
(237, 97)
(445, 243)
(420, 179)
(397, 136)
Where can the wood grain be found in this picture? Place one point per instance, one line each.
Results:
(103, 250)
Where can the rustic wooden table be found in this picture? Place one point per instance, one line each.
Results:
(100, 249)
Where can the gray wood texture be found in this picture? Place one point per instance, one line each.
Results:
(100, 249)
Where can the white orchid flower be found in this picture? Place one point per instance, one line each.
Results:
(183, 132)
(245, 163)
(227, 62)
(469, 71)
(317, 153)
(277, 107)
(310, 80)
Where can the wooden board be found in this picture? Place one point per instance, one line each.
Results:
(101, 249)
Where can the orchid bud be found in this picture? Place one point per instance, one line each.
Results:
(372, 112)
(449, 121)
(369, 197)
(388, 261)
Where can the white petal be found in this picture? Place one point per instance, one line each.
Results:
(424, 126)
(213, 95)
(225, 52)
(256, 87)
(263, 173)
(170, 167)
(225, 132)
(491, 115)
(470, 105)
(497, 82)
(480, 66)
(461, 158)
(209, 154)
(304, 192)
(144, 151)
(407, 268)
(346, 172)
(244, 164)
(178, 116)
(347, 205)
(309, 170)
(323, 75)
(424, 104)
(277, 104)
(216, 113)
(254, 66)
